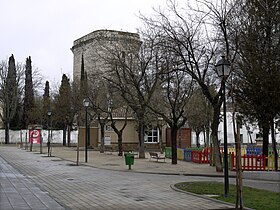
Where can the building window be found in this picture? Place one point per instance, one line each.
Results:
(152, 136)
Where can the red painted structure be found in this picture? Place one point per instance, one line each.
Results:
(249, 162)
(184, 137)
(201, 156)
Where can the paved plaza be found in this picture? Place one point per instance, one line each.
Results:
(30, 180)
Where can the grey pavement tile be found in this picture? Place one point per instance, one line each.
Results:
(5, 202)
(6, 207)
(18, 192)
(20, 206)
(86, 187)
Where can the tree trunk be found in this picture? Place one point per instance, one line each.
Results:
(119, 134)
(239, 183)
(265, 141)
(197, 139)
(102, 129)
(274, 145)
(207, 135)
(214, 135)
(141, 132)
(174, 144)
(160, 139)
(204, 139)
(31, 140)
(64, 135)
(120, 143)
(7, 136)
(69, 135)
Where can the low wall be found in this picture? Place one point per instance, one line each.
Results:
(17, 136)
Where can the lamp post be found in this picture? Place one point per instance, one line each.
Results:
(86, 105)
(49, 136)
(223, 70)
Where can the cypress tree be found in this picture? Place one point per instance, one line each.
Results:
(28, 104)
(10, 97)
(83, 82)
(46, 104)
(63, 107)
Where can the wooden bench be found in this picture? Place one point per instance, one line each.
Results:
(154, 155)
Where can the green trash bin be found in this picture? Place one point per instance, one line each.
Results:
(129, 160)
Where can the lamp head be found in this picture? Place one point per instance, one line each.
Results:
(223, 67)
(86, 102)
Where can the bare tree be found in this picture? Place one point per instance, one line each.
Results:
(134, 75)
(199, 114)
(173, 90)
(190, 36)
(98, 94)
(116, 109)
(176, 91)
(103, 119)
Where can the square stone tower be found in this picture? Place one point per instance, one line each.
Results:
(94, 47)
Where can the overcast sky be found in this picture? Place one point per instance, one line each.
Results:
(46, 29)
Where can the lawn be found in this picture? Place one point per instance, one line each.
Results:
(252, 198)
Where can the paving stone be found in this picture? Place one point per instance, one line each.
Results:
(52, 183)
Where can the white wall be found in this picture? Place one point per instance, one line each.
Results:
(230, 135)
(16, 136)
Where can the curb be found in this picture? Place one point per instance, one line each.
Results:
(206, 197)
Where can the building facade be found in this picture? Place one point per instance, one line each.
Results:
(96, 48)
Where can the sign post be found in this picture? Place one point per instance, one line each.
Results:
(35, 136)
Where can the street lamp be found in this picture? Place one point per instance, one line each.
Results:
(49, 140)
(86, 105)
(223, 70)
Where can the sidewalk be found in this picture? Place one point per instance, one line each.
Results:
(114, 162)
(19, 192)
(87, 187)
